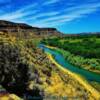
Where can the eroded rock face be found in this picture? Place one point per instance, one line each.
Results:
(25, 31)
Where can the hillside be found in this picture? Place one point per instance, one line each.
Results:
(22, 30)
(27, 72)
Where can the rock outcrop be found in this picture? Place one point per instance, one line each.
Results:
(22, 30)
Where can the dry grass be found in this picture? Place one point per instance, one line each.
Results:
(83, 82)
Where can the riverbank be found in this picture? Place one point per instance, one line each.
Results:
(93, 91)
(76, 59)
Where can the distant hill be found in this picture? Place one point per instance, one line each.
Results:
(26, 31)
(84, 34)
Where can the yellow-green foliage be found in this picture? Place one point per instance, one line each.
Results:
(26, 69)
(20, 64)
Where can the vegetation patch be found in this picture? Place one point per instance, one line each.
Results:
(81, 51)
(27, 72)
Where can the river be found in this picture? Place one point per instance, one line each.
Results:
(90, 76)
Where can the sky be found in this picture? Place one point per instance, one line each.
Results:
(68, 16)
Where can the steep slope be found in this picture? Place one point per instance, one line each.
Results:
(27, 72)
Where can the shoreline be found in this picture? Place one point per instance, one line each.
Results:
(83, 82)
(55, 48)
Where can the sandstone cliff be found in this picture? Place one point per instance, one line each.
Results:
(26, 31)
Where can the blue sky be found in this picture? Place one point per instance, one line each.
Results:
(68, 16)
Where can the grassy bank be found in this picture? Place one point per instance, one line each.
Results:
(83, 52)
(96, 85)
(72, 58)
(95, 93)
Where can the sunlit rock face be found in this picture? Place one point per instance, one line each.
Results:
(22, 30)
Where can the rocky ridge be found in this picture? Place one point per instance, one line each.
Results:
(22, 30)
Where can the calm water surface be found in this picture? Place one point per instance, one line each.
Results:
(90, 76)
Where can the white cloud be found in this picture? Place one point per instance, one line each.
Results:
(50, 2)
(73, 15)
(48, 14)
(27, 8)
(51, 18)
(19, 13)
